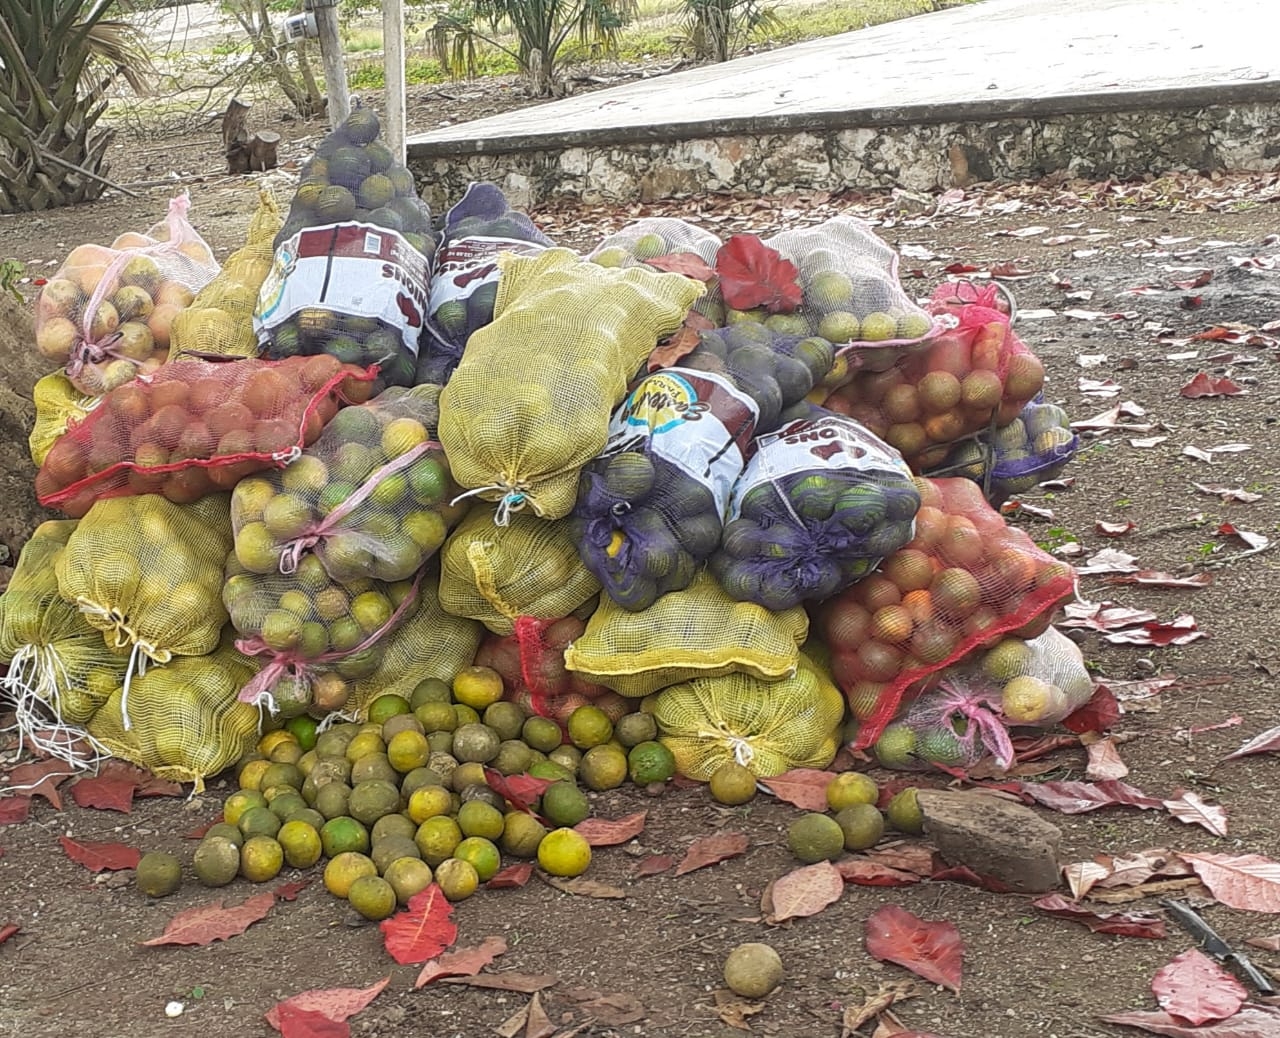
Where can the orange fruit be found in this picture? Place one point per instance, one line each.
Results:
(878, 661)
(910, 569)
(344, 869)
(956, 592)
(901, 404)
(847, 623)
(876, 592)
(938, 391)
(864, 697)
(941, 428)
(931, 525)
(477, 687)
(919, 604)
(932, 642)
(980, 391)
(961, 543)
(891, 624)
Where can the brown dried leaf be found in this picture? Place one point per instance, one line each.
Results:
(524, 983)
(654, 865)
(465, 962)
(584, 887)
(873, 1005)
(1187, 807)
(733, 1011)
(208, 923)
(616, 1009)
(711, 850)
(1105, 762)
(609, 832)
(1248, 882)
(804, 891)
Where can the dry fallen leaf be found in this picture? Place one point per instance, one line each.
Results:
(885, 996)
(584, 887)
(733, 1011)
(804, 891)
(710, 850)
(465, 962)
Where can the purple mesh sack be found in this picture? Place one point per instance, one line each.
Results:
(819, 504)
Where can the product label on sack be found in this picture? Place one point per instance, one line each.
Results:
(831, 442)
(697, 421)
(353, 269)
(465, 264)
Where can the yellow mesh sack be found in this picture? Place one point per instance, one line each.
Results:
(434, 644)
(219, 321)
(495, 574)
(147, 573)
(182, 721)
(56, 657)
(768, 728)
(530, 401)
(697, 632)
(58, 405)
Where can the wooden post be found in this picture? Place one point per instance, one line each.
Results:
(335, 68)
(393, 75)
(235, 136)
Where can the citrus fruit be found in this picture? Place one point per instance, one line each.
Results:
(373, 897)
(650, 762)
(469, 774)
(344, 869)
(465, 714)
(589, 726)
(542, 734)
(371, 800)
(258, 821)
(507, 719)
(513, 758)
(301, 844)
(475, 743)
(216, 862)
(862, 825)
(429, 802)
(849, 788)
(158, 874)
(408, 750)
(815, 837)
(633, 729)
(896, 747)
(364, 744)
(476, 818)
(343, 834)
(272, 739)
(407, 877)
(457, 879)
(564, 852)
(603, 767)
(878, 326)
(286, 802)
(549, 769)
(435, 716)
(392, 848)
(1027, 699)
(393, 825)
(281, 774)
(333, 742)
(393, 726)
(904, 812)
(250, 775)
(568, 757)
(227, 832)
(521, 834)
(238, 803)
(331, 799)
(733, 784)
(387, 705)
(482, 854)
(477, 687)
(261, 859)
(563, 803)
(436, 838)
(430, 690)
(288, 752)
(752, 970)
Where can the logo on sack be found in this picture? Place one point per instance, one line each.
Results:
(663, 401)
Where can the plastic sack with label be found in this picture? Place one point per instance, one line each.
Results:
(820, 503)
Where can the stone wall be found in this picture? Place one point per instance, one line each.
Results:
(918, 157)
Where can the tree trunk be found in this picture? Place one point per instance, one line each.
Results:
(235, 136)
(263, 149)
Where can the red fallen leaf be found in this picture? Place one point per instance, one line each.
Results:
(805, 788)
(964, 874)
(465, 962)
(1103, 616)
(606, 832)
(201, 831)
(1248, 882)
(1156, 578)
(1256, 541)
(752, 274)
(290, 891)
(1107, 529)
(1265, 742)
(519, 791)
(41, 778)
(804, 892)
(1075, 798)
(1010, 271)
(208, 923)
(512, 876)
(106, 791)
(1253, 1021)
(299, 1023)
(1097, 715)
(681, 343)
(1228, 494)
(101, 857)
(1029, 748)
(867, 873)
(1202, 385)
(1271, 944)
(654, 865)
(908, 855)
(1188, 807)
(336, 1004)
(690, 264)
(1199, 281)
(1181, 630)
(14, 810)
(928, 949)
(713, 849)
(961, 268)
(1196, 989)
(423, 930)
(1105, 763)
(9, 930)
(1122, 924)
(1191, 302)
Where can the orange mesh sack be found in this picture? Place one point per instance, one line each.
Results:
(219, 321)
(431, 644)
(182, 722)
(851, 294)
(531, 662)
(315, 638)
(698, 631)
(768, 728)
(147, 573)
(371, 497)
(667, 243)
(965, 579)
(59, 405)
(953, 387)
(195, 428)
(496, 574)
(108, 312)
(531, 400)
(57, 659)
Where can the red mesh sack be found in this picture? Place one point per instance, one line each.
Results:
(371, 498)
(954, 386)
(316, 638)
(107, 313)
(965, 579)
(531, 662)
(195, 428)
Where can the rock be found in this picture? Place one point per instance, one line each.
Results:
(993, 837)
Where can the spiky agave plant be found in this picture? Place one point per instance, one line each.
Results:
(58, 59)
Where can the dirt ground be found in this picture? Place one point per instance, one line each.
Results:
(77, 966)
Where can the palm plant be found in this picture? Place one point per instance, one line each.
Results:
(58, 59)
(718, 29)
(540, 27)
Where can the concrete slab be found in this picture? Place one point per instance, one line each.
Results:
(1000, 61)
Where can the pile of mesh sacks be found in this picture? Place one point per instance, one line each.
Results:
(747, 486)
